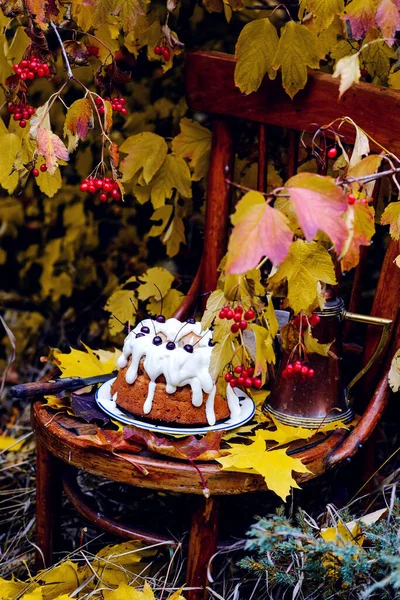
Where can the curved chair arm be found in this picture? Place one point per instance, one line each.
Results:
(192, 296)
(371, 417)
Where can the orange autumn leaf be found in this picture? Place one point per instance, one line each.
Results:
(52, 148)
(360, 220)
(78, 121)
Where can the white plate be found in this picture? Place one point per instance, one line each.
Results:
(108, 405)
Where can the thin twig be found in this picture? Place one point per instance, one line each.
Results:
(68, 66)
(369, 178)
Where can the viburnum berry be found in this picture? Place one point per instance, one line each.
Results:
(35, 172)
(238, 369)
(30, 68)
(243, 325)
(158, 50)
(240, 380)
(237, 317)
(248, 382)
(163, 51)
(297, 370)
(364, 73)
(106, 187)
(21, 112)
(229, 314)
(332, 152)
(92, 50)
(238, 310)
(43, 168)
(314, 319)
(234, 328)
(351, 198)
(117, 104)
(249, 314)
(228, 377)
(257, 383)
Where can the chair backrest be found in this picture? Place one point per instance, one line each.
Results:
(210, 88)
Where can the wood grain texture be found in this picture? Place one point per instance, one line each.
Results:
(210, 88)
(163, 473)
(202, 546)
(48, 505)
(217, 203)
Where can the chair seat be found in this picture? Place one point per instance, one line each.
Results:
(164, 473)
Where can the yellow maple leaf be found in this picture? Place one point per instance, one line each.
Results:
(177, 595)
(146, 153)
(255, 50)
(78, 121)
(174, 235)
(275, 465)
(122, 306)
(48, 183)
(324, 11)
(221, 355)
(162, 214)
(313, 345)
(215, 302)
(367, 166)
(61, 579)
(171, 301)
(127, 592)
(83, 364)
(296, 51)
(343, 534)
(377, 57)
(348, 69)
(391, 216)
(394, 80)
(154, 278)
(10, 444)
(194, 143)
(11, 588)
(10, 145)
(36, 594)
(305, 266)
(173, 174)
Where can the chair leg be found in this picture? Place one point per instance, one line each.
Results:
(48, 505)
(202, 546)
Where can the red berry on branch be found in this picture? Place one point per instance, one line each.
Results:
(234, 328)
(228, 377)
(243, 325)
(124, 111)
(314, 320)
(158, 50)
(364, 73)
(233, 382)
(237, 317)
(166, 52)
(238, 369)
(257, 383)
(43, 168)
(116, 194)
(35, 172)
(248, 382)
(310, 373)
(289, 368)
(103, 197)
(304, 370)
(332, 152)
(297, 367)
(284, 374)
(98, 183)
(229, 314)
(244, 373)
(351, 198)
(249, 314)
(250, 371)
(91, 188)
(240, 380)
(84, 186)
(22, 123)
(238, 310)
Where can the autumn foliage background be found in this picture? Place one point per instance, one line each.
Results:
(74, 269)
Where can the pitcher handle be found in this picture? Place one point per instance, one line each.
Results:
(368, 320)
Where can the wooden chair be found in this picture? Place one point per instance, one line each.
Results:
(210, 88)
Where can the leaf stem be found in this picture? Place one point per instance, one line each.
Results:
(68, 66)
(368, 178)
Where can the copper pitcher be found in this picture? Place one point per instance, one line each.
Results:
(324, 398)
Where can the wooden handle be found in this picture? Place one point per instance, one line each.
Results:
(51, 386)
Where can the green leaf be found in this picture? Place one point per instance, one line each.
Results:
(255, 50)
(296, 51)
(146, 153)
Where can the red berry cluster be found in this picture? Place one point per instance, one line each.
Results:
(35, 171)
(163, 51)
(117, 104)
(107, 188)
(332, 152)
(31, 67)
(237, 315)
(297, 370)
(352, 199)
(300, 319)
(22, 112)
(243, 376)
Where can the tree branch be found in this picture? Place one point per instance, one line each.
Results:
(68, 66)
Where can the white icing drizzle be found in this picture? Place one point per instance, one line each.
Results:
(233, 402)
(178, 366)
